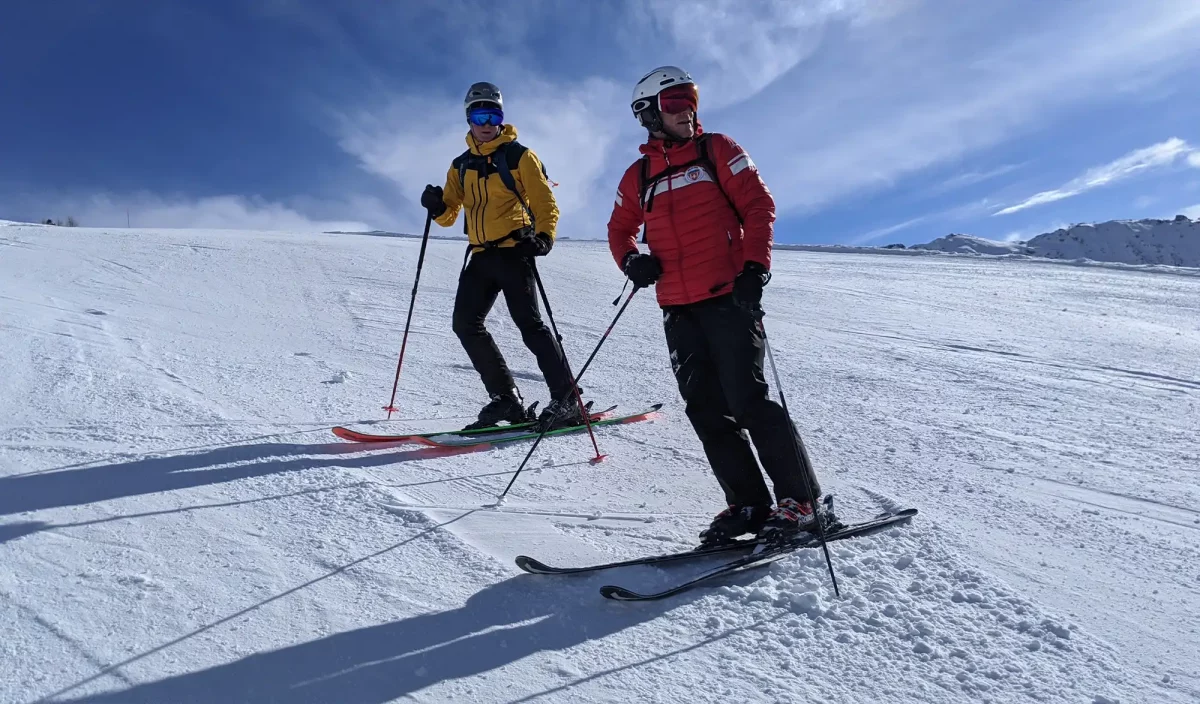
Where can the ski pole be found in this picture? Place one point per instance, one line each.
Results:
(542, 434)
(801, 454)
(587, 417)
(391, 407)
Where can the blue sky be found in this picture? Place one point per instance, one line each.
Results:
(872, 121)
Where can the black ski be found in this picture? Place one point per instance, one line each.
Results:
(533, 566)
(762, 555)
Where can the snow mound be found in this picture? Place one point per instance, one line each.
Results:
(1162, 242)
(913, 614)
(969, 244)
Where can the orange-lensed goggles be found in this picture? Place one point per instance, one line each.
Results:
(677, 99)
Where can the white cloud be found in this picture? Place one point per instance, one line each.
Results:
(971, 178)
(1152, 157)
(882, 232)
(411, 140)
(735, 49)
(939, 80)
(831, 97)
(957, 213)
(1192, 212)
(216, 212)
(1194, 159)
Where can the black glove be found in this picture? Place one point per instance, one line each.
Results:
(642, 269)
(537, 246)
(432, 201)
(748, 286)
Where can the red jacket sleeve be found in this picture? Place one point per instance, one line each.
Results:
(742, 183)
(627, 216)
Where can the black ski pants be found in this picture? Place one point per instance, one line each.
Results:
(486, 275)
(717, 353)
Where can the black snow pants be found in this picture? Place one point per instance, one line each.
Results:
(486, 275)
(717, 353)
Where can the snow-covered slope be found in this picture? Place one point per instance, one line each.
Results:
(1168, 242)
(1174, 243)
(177, 523)
(969, 244)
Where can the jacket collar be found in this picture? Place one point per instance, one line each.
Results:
(508, 133)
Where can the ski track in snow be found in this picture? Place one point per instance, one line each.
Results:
(178, 524)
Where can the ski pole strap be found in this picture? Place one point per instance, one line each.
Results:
(617, 300)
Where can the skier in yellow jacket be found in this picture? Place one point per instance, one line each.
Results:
(509, 217)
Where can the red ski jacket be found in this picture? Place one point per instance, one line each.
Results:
(701, 232)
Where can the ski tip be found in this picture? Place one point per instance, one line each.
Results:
(610, 591)
(531, 565)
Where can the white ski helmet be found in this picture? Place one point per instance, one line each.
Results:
(483, 92)
(645, 93)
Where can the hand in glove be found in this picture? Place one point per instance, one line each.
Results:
(748, 287)
(432, 201)
(537, 246)
(642, 269)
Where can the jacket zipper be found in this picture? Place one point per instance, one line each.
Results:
(671, 217)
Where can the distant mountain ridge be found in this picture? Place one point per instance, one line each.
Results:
(1173, 242)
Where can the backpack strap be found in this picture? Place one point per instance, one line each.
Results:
(702, 145)
(462, 162)
(646, 192)
(503, 161)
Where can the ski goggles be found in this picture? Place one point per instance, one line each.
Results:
(486, 116)
(678, 99)
(673, 100)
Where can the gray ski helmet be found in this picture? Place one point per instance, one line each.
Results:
(483, 92)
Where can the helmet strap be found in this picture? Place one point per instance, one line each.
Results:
(651, 119)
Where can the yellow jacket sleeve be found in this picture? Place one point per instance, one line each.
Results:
(452, 196)
(537, 193)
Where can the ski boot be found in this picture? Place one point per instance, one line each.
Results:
(560, 413)
(503, 408)
(733, 522)
(791, 518)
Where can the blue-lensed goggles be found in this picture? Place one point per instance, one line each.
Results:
(486, 116)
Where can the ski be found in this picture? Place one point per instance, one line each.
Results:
(533, 566)
(763, 554)
(518, 435)
(359, 436)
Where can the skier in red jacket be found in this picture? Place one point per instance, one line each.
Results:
(709, 224)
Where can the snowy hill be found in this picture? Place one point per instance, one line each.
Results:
(1168, 242)
(969, 244)
(178, 523)
(1149, 242)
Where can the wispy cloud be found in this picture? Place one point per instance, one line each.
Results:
(928, 86)
(410, 140)
(958, 213)
(1153, 157)
(971, 178)
(737, 48)
(233, 212)
(873, 235)
(832, 97)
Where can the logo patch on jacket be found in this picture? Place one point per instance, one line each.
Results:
(693, 174)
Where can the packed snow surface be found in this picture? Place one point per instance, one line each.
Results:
(178, 524)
